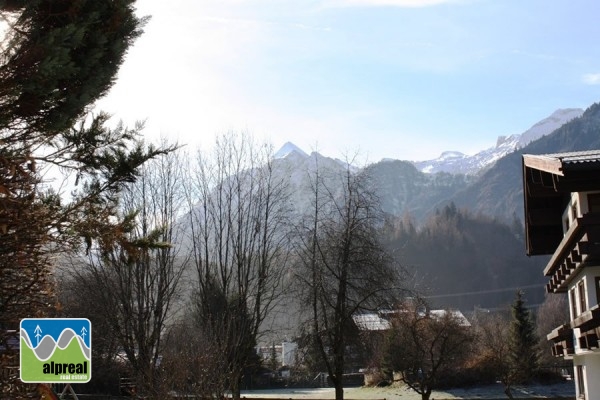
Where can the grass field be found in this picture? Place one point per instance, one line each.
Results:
(490, 392)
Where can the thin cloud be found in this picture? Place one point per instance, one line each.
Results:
(311, 27)
(244, 22)
(591, 79)
(389, 3)
(539, 56)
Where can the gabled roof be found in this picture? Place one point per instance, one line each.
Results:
(548, 181)
(371, 322)
(376, 322)
(456, 315)
(564, 163)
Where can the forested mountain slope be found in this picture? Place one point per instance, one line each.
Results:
(463, 260)
(499, 193)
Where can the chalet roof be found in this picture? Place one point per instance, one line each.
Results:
(376, 322)
(563, 163)
(456, 314)
(548, 181)
(371, 322)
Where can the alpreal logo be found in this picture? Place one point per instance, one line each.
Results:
(56, 350)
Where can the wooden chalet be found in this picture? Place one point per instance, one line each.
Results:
(562, 218)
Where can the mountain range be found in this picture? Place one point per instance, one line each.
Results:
(456, 162)
(461, 234)
(487, 182)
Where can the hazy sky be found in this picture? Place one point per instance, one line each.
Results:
(403, 79)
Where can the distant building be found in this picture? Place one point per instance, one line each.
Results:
(380, 321)
(288, 353)
(562, 218)
(285, 353)
(371, 322)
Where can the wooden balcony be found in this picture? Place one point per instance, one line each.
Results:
(588, 324)
(587, 320)
(579, 247)
(562, 338)
(589, 340)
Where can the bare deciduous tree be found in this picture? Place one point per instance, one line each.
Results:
(135, 276)
(238, 222)
(423, 346)
(192, 362)
(493, 347)
(553, 313)
(343, 269)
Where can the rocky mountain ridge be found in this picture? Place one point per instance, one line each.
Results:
(494, 190)
(455, 162)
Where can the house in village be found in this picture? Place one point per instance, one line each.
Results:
(562, 218)
(284, 353)
(373, 327)
(380, 321)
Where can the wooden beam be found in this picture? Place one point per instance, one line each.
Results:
(543, 163)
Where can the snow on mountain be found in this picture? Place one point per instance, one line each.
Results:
(549, 125)
(298, 170)
(289, 148)
(452, 155)
(458, 163)
(455, 162)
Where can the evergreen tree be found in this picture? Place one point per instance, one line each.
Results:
(57, 58)
(523, 355)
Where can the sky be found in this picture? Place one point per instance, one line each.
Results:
(402, 79)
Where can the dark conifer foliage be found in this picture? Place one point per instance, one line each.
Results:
(462, 260)
(57, 58)
(498, 192)
(61, 57)
(523, 349)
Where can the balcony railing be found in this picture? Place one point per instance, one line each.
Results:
(562, 338)
(589, 326)
(579, 247)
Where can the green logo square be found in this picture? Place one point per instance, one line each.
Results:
(56, 350)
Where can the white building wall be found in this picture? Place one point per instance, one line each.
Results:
(590, 274)
(588, 360)
(577, 207)
(591, 372)
(288, 353)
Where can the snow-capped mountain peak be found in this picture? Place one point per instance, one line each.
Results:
(458, 163)
(549, 124)
(289, 148)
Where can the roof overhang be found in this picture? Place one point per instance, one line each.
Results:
(548, 181)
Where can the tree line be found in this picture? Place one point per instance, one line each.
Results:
(468, 260)
(213, 246)
(208, 247)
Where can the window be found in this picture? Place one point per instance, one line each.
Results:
(581, 290)
(573, 301)
(580, 382)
